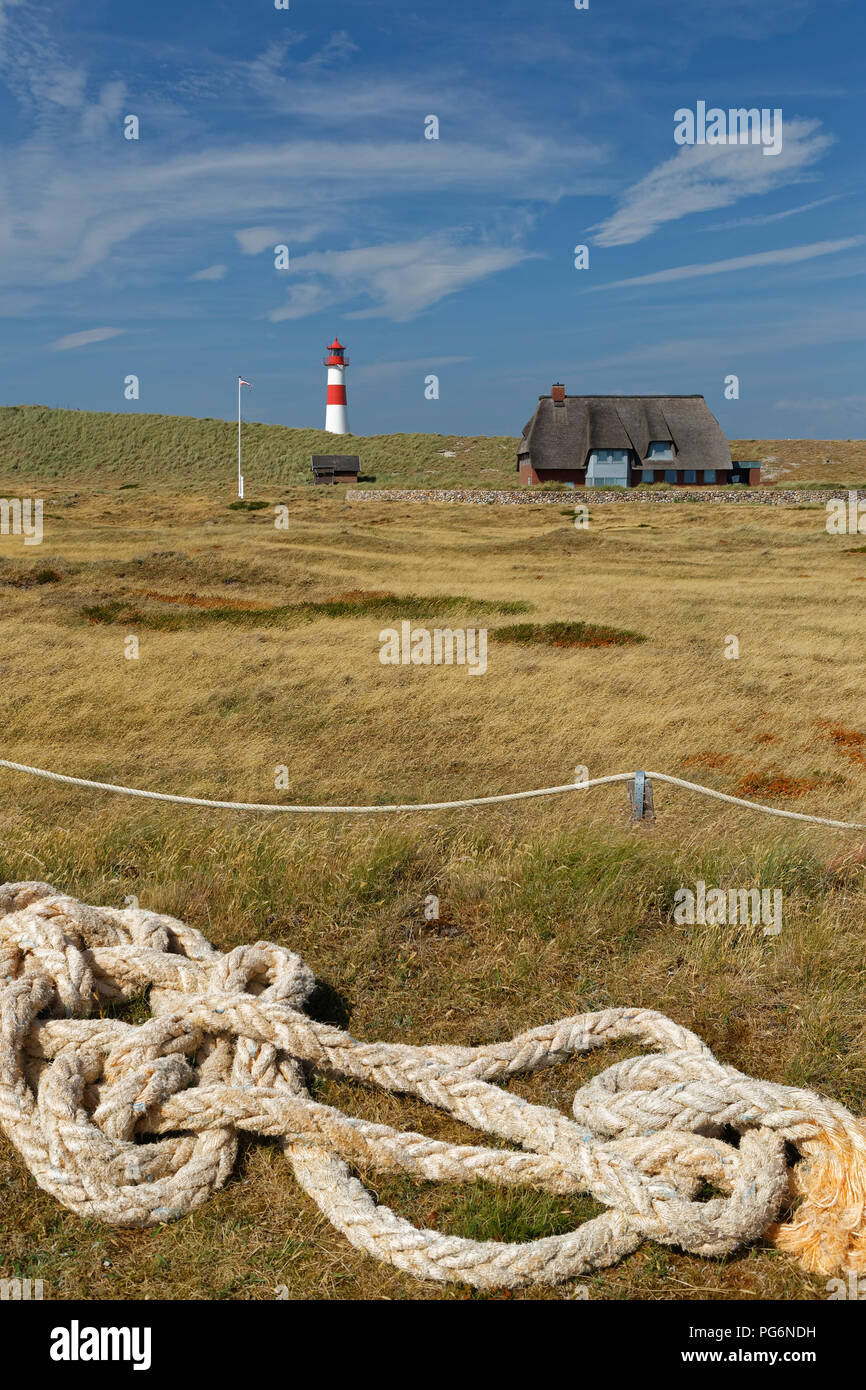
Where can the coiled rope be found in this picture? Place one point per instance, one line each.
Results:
(134, 1124)
(427, 805)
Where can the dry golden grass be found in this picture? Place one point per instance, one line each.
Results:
(793, 461)
(547, 908)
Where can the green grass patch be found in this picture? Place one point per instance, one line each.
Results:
(29, 578)
(484, 1212)
(394, 607)
(567, 635)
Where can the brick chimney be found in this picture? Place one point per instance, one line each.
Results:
(558, 393)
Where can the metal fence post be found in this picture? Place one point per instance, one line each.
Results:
(640, 797)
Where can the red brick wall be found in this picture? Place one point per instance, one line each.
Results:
(561, 475)
(528, 474)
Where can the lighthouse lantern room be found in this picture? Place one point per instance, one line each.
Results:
(337, 413)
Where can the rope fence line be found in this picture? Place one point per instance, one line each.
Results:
(643, 780)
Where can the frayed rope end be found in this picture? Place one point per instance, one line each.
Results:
(827, 1231)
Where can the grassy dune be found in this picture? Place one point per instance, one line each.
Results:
(102, 449)
(547, 908)
(87, 447)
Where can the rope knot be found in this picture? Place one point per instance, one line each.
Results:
(265, 971)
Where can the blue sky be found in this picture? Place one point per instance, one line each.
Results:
(305, 127)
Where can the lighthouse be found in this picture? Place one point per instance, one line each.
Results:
(337, 414)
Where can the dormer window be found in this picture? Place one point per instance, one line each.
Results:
(660, 449)
(613, 456)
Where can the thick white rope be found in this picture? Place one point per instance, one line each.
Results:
(422, 806)
(138, 1124)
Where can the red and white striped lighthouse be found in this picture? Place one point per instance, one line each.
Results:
(337, 413)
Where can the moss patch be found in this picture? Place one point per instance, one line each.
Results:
(567, 635)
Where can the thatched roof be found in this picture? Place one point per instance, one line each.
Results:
(562, 436)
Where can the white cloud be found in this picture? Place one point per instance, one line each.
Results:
(79, 340)
(102, 203)
(401, 278)
(105, 192)
(699, 178)
(305, 300)
(99, 117)
(855, 405)
(791, 255)
(4, 6)
(384, 371)
(296, 88)
(765, 219)
(254, 240)
(211, 272)
(801, 328)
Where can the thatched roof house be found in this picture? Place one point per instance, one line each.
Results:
(620, 441)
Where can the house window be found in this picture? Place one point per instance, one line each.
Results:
(611, 455)
(608, 468)
(647, 475)
(690, 476)
(709, 475)
(661, 449)
(670, 475)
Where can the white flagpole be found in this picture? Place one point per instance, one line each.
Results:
(240, 474)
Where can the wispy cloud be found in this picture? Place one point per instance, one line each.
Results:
(790, 255)
(802, 327)
(211, 272)
(766, 219)
(253, 240)
(103, 206)
(384, 371)
(699, 178)
(85, 339)
(852, 405)
(294, 86)
(98, 118)
(401, 278)
(355, 157)
(4, 6)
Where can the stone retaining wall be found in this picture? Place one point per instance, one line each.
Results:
(593, 496)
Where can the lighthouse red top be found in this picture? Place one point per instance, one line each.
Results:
(336, 357)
